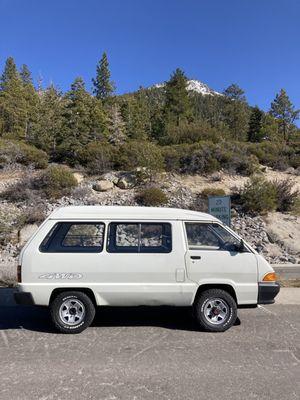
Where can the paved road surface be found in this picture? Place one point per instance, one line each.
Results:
(288, 271)
(146, 354)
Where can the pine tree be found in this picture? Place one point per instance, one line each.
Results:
(48, 129)
(103, 86)
(10, 72)
(177, 105)
(116, 126)
(85, 120)
(25, 74)
(255, 125)
(236, 112)
(284, 111)
(234, 92)
(16, 103)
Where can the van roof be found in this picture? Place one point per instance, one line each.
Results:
(129, 213)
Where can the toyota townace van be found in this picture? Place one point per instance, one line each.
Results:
(82, 257)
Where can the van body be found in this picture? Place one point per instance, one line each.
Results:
(87, 256)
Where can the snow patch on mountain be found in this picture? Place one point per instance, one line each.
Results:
(194, 85)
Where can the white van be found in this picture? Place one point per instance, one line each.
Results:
(87, 256)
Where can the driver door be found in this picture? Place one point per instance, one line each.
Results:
(214, 256)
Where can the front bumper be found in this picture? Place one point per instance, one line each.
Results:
(267, 292)
(24, 298)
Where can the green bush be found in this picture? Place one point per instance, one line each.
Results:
(12, 151)
(212, 192)
(152, 197)
(57, 181)
(136, 153)
(286, 195)
(258, 196)
(96, 157)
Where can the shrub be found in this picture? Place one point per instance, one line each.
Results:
(212, 192)
(57, 181)
(258, 196)
(33, 156)
(6, 228)
(286, 196)
(12, 151)
(96, 157)
(20, 191)
(33, 215)
(152, 197)
(136, 153)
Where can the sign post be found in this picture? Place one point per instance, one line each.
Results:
(220, 207)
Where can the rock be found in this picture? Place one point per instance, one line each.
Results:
(126, 182)
(216, 177)
(111, 176)
(26, 232)
(103, 186)
(290, 170)
(79, 177)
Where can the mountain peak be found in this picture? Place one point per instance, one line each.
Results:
(193, 85)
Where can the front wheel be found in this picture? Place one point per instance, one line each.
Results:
(72, 312)
(215, 310)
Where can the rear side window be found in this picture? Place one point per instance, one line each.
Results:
(139, 238)
(74, 237)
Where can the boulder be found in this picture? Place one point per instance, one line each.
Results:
(103, 186)
(126, 182)
(26, 232)
(79, 177)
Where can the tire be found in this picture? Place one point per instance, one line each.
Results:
(72, 312)
(215, 310)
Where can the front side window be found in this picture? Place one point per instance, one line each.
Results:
(210, 236)
(139, 238)
(69, 237)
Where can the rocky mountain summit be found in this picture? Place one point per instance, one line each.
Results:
(194, 85)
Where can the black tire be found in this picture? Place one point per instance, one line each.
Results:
(225, 304)
(85, 307)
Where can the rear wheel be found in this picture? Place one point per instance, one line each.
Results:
(72, 312)
(215, 310)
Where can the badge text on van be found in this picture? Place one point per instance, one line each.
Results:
(60, 276)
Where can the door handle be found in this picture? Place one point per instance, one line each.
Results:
(195, 257)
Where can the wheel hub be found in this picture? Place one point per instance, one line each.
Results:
(216, 311)
(72, 312)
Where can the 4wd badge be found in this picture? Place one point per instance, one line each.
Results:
(54, 275)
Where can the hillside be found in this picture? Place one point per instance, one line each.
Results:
(275, 235)
(169, 145)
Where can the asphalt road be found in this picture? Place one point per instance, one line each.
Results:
(155, 353)
(288, 271)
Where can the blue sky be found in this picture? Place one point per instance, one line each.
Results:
(255, 43)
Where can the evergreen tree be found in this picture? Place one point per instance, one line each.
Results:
(48, 129)
(136, 113)
(177, 104)
(103, 86)
(84, 120)
(25, 74)
(236, 112)
(116, 126)
(255, 125)
(234, 92)
(10, 72)
(17, 103)
(284, 111)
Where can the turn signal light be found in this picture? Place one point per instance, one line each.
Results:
(19, 273)
(270, 277)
